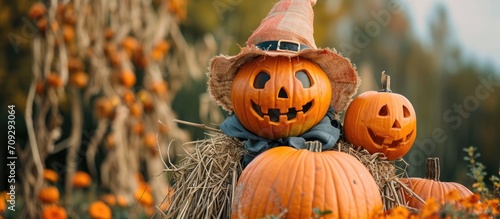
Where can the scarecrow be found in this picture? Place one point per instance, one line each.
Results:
(280, 90)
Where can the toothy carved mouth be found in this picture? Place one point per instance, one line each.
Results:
(274, 114)
(393, 144)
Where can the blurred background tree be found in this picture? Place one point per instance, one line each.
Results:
(436, 75)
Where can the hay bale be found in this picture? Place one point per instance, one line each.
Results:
(204, 181)
(386, 174)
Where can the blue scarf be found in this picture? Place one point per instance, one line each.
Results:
(323, 132)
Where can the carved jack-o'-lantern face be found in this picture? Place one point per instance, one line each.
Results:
(277, 97)
(381, 122)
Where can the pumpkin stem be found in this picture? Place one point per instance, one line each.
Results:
(314, 146)
(432, 168)
(385, 80)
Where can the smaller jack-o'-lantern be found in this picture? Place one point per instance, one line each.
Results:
(277, 97)
(381, 121)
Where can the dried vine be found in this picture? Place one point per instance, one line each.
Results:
(109, 60)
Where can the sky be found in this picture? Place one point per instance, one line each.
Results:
(477, 24)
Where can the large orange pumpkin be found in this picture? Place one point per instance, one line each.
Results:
(430, 186)
(277, 97)
(381, 121)
(284, 179)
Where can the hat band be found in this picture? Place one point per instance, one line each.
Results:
(281, 45)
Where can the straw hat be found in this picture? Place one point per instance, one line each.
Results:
(286, 31)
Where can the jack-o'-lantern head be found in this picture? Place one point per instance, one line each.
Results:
(381, 121)
(281, 54)
(276, 97)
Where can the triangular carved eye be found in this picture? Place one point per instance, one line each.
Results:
(260, 80)
(406, 112)
(303, 78)
(384, 111)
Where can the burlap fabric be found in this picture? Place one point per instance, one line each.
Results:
(289, 20)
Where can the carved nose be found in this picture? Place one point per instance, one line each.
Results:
(282, 93)
(396, 125)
